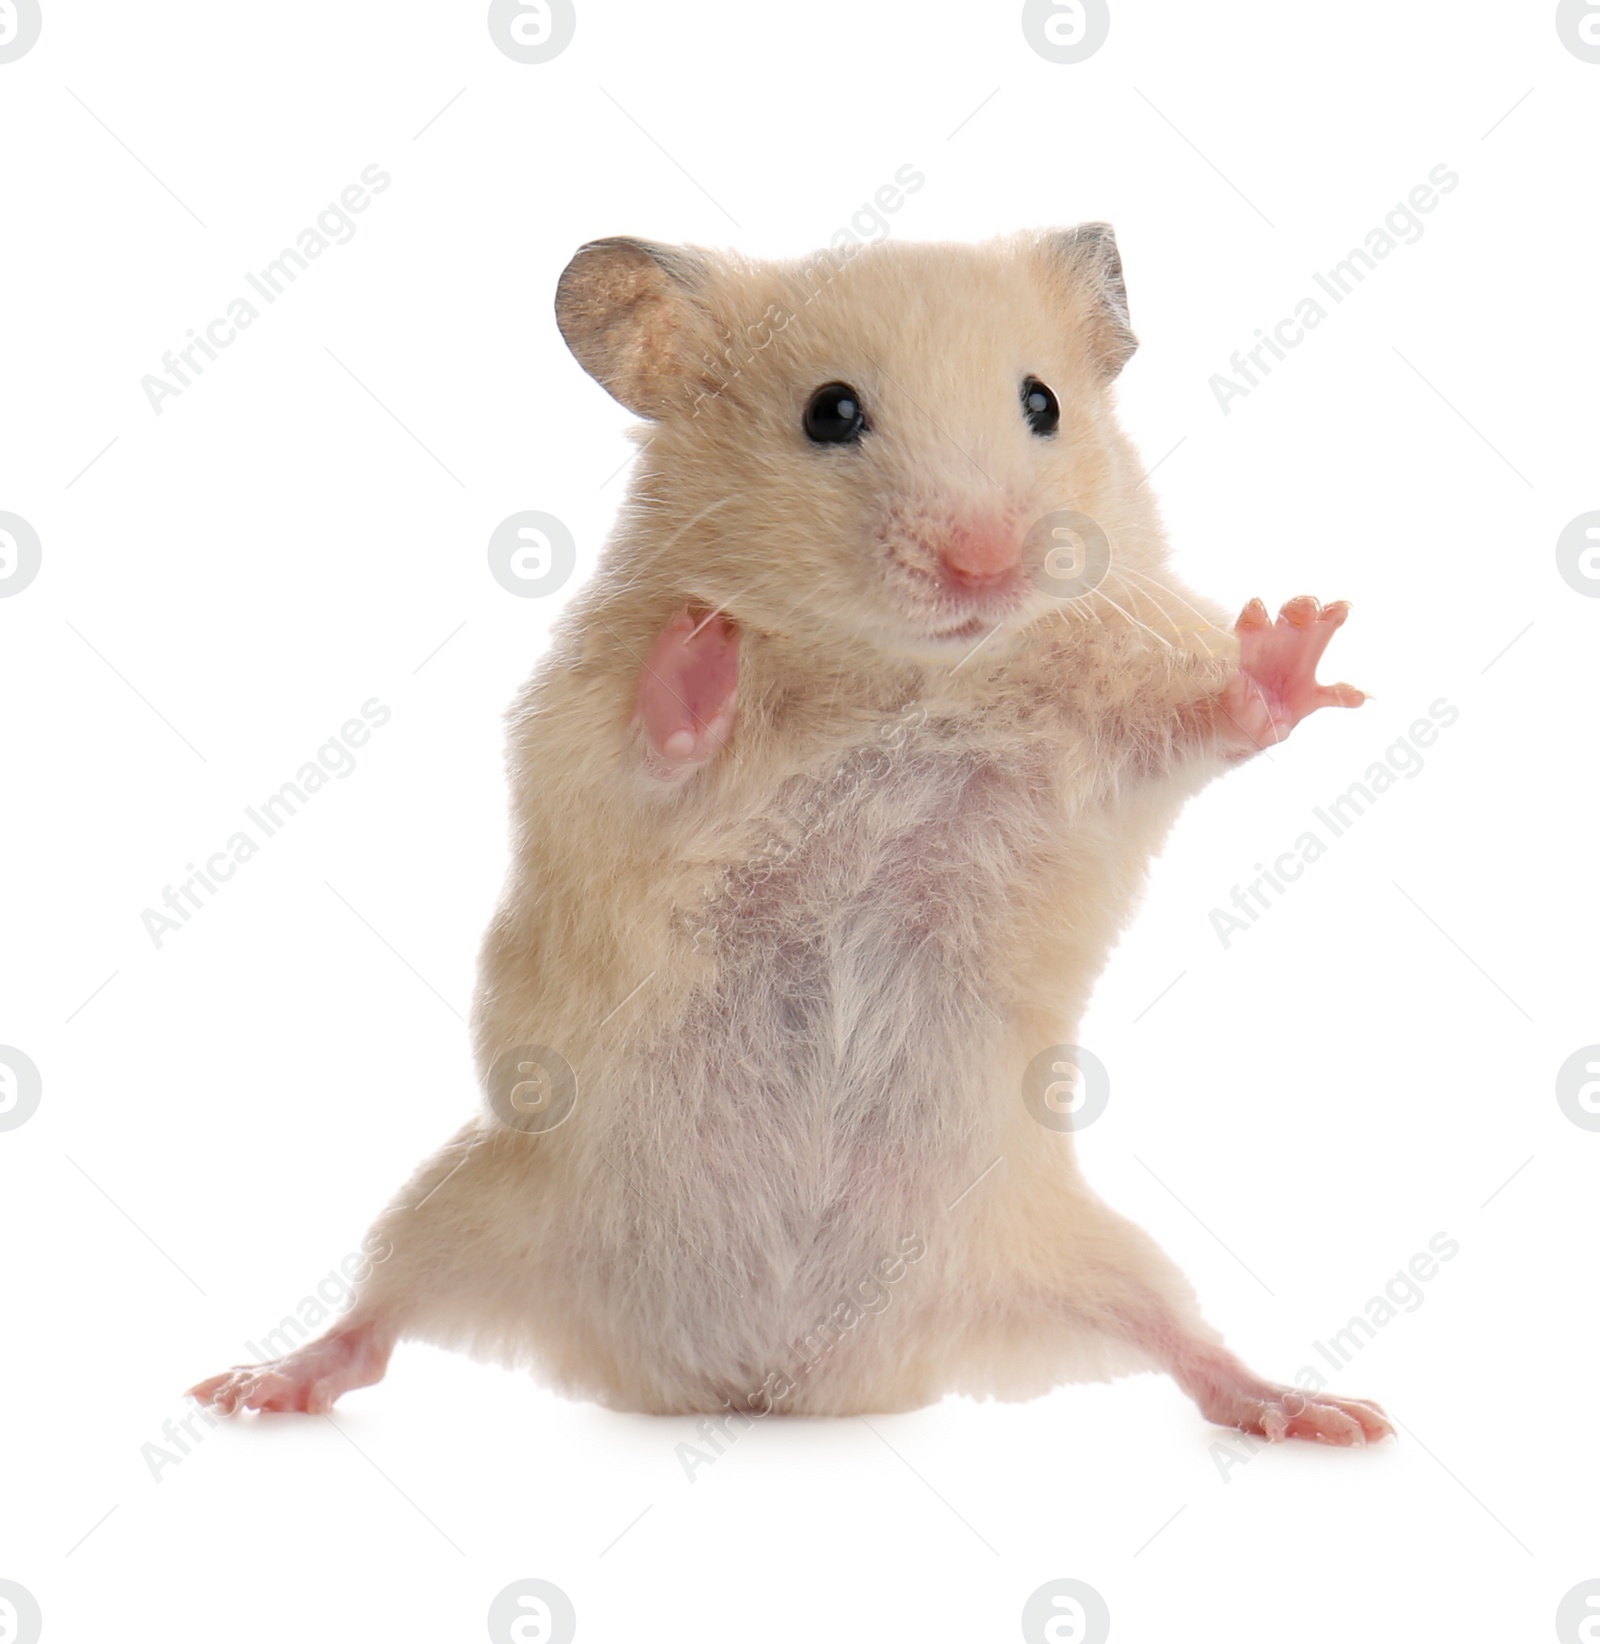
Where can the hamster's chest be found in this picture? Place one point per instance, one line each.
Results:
(857, 938)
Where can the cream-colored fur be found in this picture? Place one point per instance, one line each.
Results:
(798, 987)
(813, 1061)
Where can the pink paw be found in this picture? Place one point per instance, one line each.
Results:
(686, 693)
(1276, 685)
(1230, 1395)
(310, 1379)
(1286, 1413)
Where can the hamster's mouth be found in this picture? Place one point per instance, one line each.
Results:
(942, 617)
(950, 642)
(976, 615)
(970, 629)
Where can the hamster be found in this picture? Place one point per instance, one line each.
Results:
(828, 803)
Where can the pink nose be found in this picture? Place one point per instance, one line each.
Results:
(981, 553)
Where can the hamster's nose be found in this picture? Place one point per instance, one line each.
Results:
(981, 554)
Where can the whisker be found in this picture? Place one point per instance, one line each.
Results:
(1130, 617)
(1150, 599)
(1178, 632)
(1166, 588)
(721, 502)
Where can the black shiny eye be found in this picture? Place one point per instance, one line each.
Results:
(834, 416)
(1039, 407)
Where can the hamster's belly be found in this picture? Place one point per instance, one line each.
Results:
(828, 1093)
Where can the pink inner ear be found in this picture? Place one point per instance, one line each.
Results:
(686, 692)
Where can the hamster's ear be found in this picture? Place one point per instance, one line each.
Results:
(1086, 259)
(628, 311)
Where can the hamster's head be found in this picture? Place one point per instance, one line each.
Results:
(912, 447)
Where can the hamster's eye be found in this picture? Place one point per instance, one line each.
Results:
(834, 416)
(1039, 407)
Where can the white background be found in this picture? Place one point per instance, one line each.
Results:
(228, 581)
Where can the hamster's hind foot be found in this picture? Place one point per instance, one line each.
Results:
(310, 1379)
(1231, 1396)
(1276, 685)
(1287, 1413)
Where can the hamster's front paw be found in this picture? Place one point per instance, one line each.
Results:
(686, 692)
(1276, 685)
